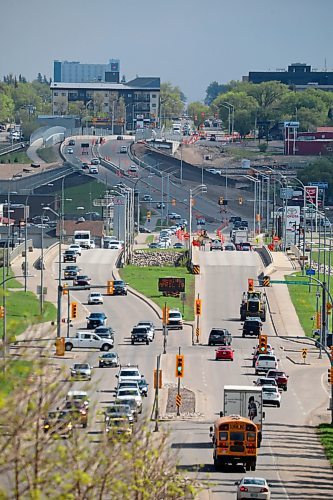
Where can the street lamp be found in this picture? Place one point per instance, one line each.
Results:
(255, 181)
(200, 189)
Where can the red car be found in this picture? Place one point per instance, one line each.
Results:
(224, 353)
(280, 377)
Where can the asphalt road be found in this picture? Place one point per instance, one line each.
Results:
(290, 457)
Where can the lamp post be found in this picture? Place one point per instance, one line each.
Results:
(233, 118)
(255, 181)
(200, 189)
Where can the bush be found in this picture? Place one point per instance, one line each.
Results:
(15, 160)
(263, 147)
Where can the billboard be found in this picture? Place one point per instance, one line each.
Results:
(293, 218)
(312, 195)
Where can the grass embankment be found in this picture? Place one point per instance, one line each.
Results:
(22, 308)
(47, 154)
(145, 281)
(16, 157)
(83, 196)
(326, 439)
(304, 301)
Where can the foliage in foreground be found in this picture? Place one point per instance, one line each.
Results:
(34, 464)
(326, 439)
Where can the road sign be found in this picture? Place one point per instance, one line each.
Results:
(178, 400)
(321, 185)
(186, 236)
(289, 282)
(304, 353)
(310, 272)
(171, 285)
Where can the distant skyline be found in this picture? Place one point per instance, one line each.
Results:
(186, 42)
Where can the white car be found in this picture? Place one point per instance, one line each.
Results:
(163, 244)
(175, 320)
(129, 372)
(95, 298)
(70, 151)
(130, 393)
(92, 244)
(81, 371)
(253, 487)
(95, 161)
(77, 249)
(271, 395)
(115, 245)
(150, 325)
(93, 169)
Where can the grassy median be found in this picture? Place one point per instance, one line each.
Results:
(326, 439)
(145, 281)
(305, 300)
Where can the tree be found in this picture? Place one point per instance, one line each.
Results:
(245, 109)
(213, 90)
(320, 170)
(171, 101)
(38, 466)
(6, 108)
(98, 100)
(198, 112)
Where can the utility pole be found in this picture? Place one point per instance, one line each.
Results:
(158, 362)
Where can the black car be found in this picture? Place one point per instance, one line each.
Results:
(70, 256)
(119, 287)
(71, 142)
(95, 319)
(219, 336)
(252, 326)
(70, 272)
(81, 280)
(143, 229)
(140, 334)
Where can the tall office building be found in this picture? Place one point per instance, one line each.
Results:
(75, 72)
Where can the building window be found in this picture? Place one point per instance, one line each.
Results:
(106, 104)
(153, 105)
(153, 96)
(63, 94)
(129, 95)
(55, 94)
(106, 95)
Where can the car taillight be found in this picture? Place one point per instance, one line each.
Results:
(243, 488)
(263, 490)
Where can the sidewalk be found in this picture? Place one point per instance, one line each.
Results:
(32, 152)
(284, 316)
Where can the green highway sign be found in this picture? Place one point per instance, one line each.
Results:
(289, 282)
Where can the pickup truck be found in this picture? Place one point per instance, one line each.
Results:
(84, 340)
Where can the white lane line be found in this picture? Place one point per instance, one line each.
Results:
(277, 470)
(323, 384)
(299, 402)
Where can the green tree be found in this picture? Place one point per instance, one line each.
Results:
(213, 90)
(320, 170)
(198, 112)
(245, 109)
(172, 105)
(6, 108)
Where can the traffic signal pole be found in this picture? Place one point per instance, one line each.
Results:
(178, 388)
(68, 313)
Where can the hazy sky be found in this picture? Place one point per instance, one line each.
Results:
(187, 42)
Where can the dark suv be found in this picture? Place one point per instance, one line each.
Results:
(219, 336)
(252, 326)
(119, 287)
(140, 334)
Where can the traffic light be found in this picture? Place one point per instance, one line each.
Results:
(173, 202)
(165, 315)
(240, 200)
(148, 216)
(263, 343)
(64, 287)
(198, 307)
(330, 375)
(250, 285)
(110, 287)
(221, 200)
(179, 366)
(2, 312)
(331, 353)
(73, 310)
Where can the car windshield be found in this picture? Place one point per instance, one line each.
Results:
(129, 373)
(259, 482)
(96, 315)
(269, 389)
(109, 355)
(174, 315)
(81, 366)
(128, 392)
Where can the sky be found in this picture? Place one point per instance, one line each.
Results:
(189, 43)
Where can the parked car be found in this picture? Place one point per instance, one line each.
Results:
(219, 336)
(224, 353)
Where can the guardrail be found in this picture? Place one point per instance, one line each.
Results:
(18, 250)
